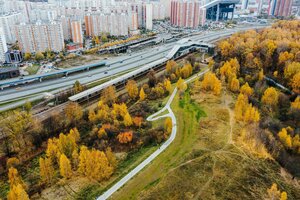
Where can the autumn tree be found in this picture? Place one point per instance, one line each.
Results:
(111, 158)
(225, 48)
(246, 90)
(291, 70)
(283, 196)
(17, 192)
(211, 83)
(65, 167)
(186, 70)
(142, 94)
(132, 89)
(95, 164)
(27, 56)
(17, 125)
(92, 115)
(77, 87)
(125, 137)
(296, 103)
(137, 121)
(104, 38)
(39, 56)
(270, 97)
(46, 170)
(234, 85)
(273, 192)
(101, 133)
(120, 110)
(296, 83)
(170, 66)
(168, 85)
(168, 125)
(285, 57)
(181, 85)
(73, 112)
(285, 138)
(109, 95)
(13, 177)
(127, 119)
(244, 111)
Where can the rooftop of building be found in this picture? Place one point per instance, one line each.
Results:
(8, 69)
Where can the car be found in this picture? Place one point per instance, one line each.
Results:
(121, 61)
(105, 72)
(105, 58)
(64, 77)
(90, 75)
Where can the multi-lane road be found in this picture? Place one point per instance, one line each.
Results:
(13, 97)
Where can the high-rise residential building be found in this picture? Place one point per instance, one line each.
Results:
(3, 46)
(66, 26)
(280, 7)
(158, 10)
(76, 28)
(114, 23)
(186, 13)
(7, 21)
(40, 37)
(148, 16)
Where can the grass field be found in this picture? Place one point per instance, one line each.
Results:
(33, 69)
(209, 159)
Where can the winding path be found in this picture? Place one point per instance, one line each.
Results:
(152, 117)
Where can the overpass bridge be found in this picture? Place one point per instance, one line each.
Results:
(65, 72)
(219, 9)
(182, 47)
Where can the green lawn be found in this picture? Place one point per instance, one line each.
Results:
(33, 69)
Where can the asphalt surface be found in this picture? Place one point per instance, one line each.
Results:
(13, 97)
(152, 117)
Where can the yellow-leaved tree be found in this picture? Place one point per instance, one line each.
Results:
(17, 192)
(142, 94)
(246, 89)
(211, 83)
(244, 111)
(16, 186)
(46, 170)
(270, 97)
(234, 85)
(181, 85)
(168, 125)
(65, 167)
(132, 89)
(127, 119)
(285, 138)
(296, 103)
(168, 85)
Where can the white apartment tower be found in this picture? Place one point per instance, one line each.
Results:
(148, 16)
(3, 46)
(76, 28)
(40, 37)
(7, 21)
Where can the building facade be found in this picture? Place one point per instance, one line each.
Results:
(280, 8)
(7, 21)
(114, 23)
(76, 30)
(3, 46)
(186, 13)
(40, 37)
(14, 56)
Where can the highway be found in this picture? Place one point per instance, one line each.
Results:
(13, 97)
(148, 160)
